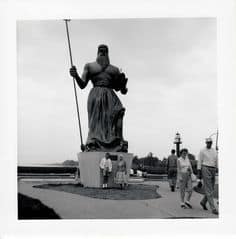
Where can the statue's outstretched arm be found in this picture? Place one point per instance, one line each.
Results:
(81, 81)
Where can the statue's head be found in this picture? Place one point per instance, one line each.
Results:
(102, 50)
(102, 56)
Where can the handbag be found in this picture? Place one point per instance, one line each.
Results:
(199, 185)
(193, 177)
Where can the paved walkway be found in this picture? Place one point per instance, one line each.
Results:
(71, 206)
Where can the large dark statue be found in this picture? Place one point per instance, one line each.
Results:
(105, 111)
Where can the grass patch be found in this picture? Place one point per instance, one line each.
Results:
(133, 192)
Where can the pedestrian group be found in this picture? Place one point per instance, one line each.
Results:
(181, 175)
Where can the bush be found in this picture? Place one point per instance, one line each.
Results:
(30, 208)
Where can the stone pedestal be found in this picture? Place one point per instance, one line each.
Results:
(90, 173)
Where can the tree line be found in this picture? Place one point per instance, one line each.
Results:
(153, 165)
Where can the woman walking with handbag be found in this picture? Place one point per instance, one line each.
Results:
(185, 171)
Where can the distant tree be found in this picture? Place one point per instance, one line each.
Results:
(150, 154)
(135, 164)
(149, 162)
(70, 163)
(191, 156)
(193, 161)
(164, 160)
(135, 160)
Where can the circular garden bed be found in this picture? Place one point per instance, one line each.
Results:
(132, 192)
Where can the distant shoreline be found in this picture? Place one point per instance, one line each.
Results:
(46, 165)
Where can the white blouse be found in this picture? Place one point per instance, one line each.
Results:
(208, 157)
(106, 163)
(184, 165)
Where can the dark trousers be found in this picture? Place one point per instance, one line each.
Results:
(208, 176)
(172, 177)
(105, 179)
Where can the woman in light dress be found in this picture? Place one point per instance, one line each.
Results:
(121, 173)
(184, 171)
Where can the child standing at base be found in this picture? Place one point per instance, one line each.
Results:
(106, 167)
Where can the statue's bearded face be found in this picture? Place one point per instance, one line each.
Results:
(102, 51)
(103, 57)
(208, 144)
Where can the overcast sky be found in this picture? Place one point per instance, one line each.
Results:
(171, 66)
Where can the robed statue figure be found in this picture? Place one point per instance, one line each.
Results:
(105, 110)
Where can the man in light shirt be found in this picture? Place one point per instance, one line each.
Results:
(106, 167)
(207, 167)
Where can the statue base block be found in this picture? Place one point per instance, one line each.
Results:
(90, 173)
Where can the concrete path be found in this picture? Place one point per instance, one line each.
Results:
(72, 206)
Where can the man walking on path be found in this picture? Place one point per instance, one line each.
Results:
(207, 167)
(172, 170)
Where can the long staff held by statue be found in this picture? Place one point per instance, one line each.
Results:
(76, 99)
(217, 135)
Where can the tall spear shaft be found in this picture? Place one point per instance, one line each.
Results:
(217, 135)
(76, 98)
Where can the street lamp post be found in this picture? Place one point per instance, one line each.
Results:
(177, 142)
(217, 135)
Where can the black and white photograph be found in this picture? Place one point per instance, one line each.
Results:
(117, 118)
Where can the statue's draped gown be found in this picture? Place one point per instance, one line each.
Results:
(105, 112)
